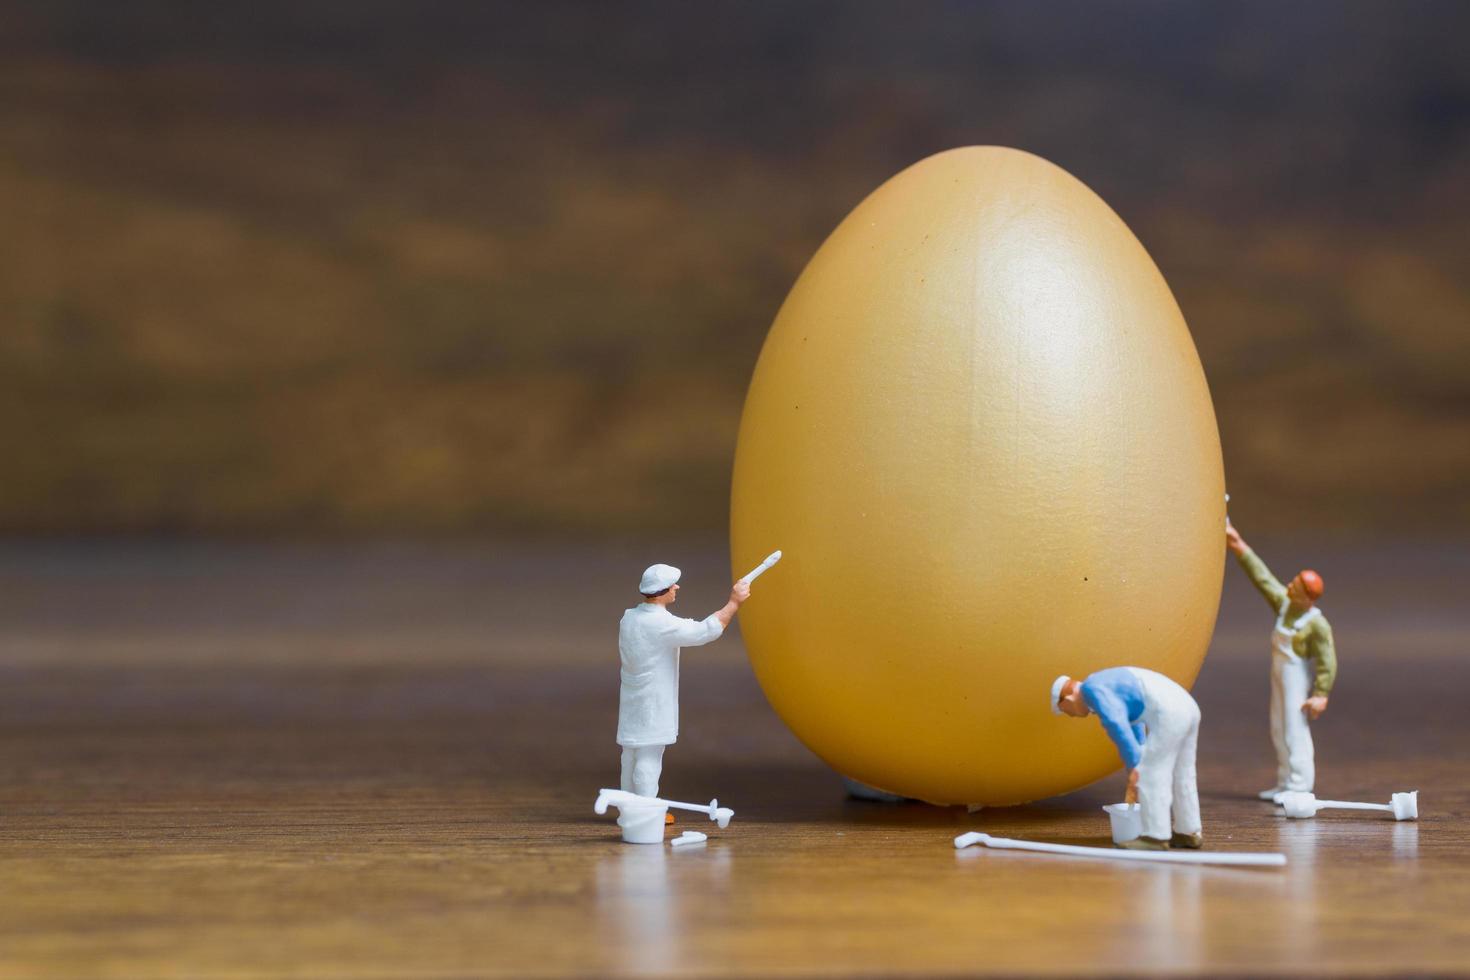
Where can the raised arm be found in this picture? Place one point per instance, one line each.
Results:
(1255, 569)
(698, 632)
(739, 592)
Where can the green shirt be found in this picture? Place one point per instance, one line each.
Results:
(1313, 640)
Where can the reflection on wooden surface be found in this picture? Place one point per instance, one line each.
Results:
(263, 763)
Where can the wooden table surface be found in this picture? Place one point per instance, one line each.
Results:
(380, 761)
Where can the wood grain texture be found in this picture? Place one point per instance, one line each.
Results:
(272, 762)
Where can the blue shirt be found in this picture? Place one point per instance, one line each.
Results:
(1117, 698)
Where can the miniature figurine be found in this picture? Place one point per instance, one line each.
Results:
(1303, 665)
(649, 640)
(1155, 725)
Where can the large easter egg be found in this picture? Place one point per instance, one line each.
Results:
(980, 433)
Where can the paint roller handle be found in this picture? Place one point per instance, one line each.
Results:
(1340, 805)
(695, 807)
(617, 798)
(760, 569)
(1267, 860)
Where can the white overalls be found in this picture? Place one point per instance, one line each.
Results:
(1291, 683)
(1166, 773)
(649, 639)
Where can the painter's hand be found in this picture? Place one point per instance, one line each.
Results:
(1314, 706)
(739, 592)
(1131, 794)
(1233, 540)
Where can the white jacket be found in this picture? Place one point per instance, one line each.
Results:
(649, 638)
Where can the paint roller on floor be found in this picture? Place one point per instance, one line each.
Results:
(1235, 858)
(1302, 805)
(619, 798)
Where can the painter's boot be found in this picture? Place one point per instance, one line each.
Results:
(1189, 842)
(1144, 844)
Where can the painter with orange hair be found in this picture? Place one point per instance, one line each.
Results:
(1303, 665)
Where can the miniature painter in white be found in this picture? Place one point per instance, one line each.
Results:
(1303, 666)
(1155, 725)
(649, 640)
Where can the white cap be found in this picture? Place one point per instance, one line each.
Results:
(656, 578)
(1056, 693)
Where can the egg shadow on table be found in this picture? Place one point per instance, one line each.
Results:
(814, 794)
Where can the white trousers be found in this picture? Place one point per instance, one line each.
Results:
(1291, 682)
(1166, 776)
(642, 765)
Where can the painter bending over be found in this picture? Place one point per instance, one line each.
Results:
(1155, 725)
(1303, 665)
(649, 639)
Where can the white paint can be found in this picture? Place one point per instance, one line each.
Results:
(642, 823)
(1127, 821)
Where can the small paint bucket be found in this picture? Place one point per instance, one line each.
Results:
(1126, 819)
(642, 823)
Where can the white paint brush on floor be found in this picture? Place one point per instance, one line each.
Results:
(1239, 859)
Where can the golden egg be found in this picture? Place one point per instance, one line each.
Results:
(980, 433)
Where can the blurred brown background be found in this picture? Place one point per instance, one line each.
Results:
(440, 267)
(308, 310)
